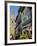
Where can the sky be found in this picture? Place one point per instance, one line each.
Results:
(14, 9)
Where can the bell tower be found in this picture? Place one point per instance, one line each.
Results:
(12, 21)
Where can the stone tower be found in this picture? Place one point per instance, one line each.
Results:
(12, 26)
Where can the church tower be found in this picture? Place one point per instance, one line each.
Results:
(12, 26)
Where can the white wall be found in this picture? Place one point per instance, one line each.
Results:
(2, 31)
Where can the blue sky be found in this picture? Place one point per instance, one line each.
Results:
(15, 9)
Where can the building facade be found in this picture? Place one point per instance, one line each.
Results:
(24, 20)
